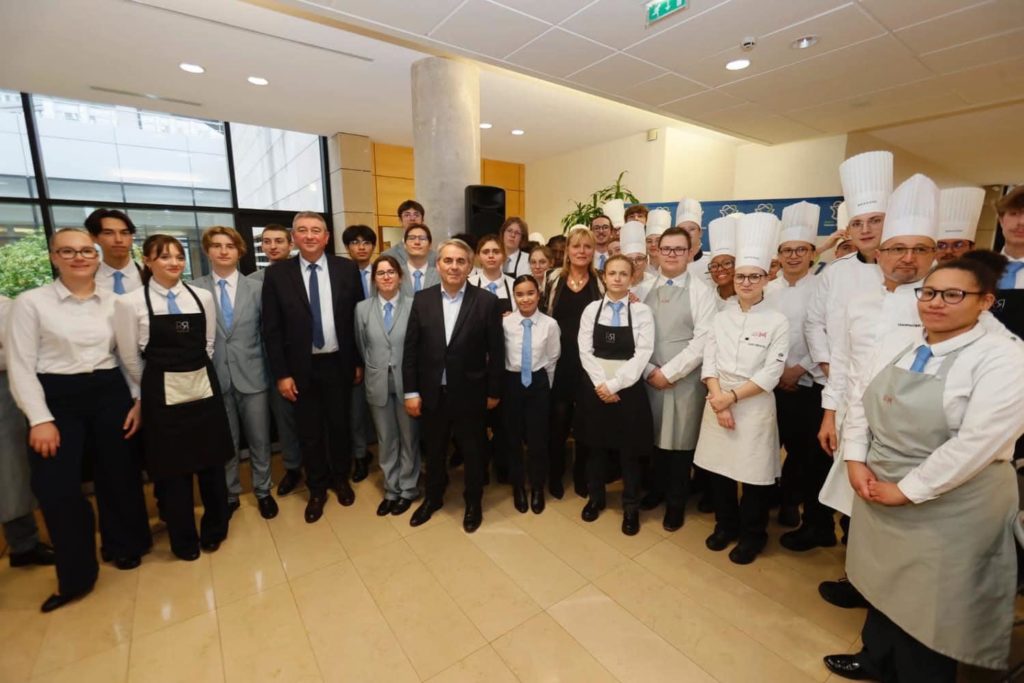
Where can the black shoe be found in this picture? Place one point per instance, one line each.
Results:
(847, 666)
(232, 506)
(210, 546)
(651, 500)
(557, 489)
(631, 522)
(473, 517)
(841, 593)
(384, 509)
(346, 496)
(806, 538)
(537, 501)
(789, 515)
(674, 518)
(56, 601)
(315, 507)
(719, 540)
(705, 504)
(582, 490)
(188, 556)
(424, 512)
(268, 506)
(292, 478)
(591, 511)
(519, 499)
(398, 507)
(745, 552)
(361, 469)
(127, 563)
(41, 555)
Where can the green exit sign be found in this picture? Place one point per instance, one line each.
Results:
(659, 9)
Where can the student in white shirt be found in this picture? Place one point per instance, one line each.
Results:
(927, 440)
(529, 374)
(360, 241)
(64, 376)
(601, 227)
(542, 260)
(616, 339)
(420, 269)
(490, 254)
(517, 261)
(114, 233)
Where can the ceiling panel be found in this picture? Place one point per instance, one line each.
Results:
(617, 73)
(989, 83)
(984, 51)
(559, 53)
(415, 17)
(755, 122)
(964, 26)
(897, 14)
(621, 23)
(696, 106)
(552, 11)
(488, 29)
(881, 108)
(664, 88)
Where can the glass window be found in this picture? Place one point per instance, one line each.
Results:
(115, 154)
(24, 261)
(277, 169)
(17, 177)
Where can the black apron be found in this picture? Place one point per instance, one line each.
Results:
(504, 305)
(513, 273)
(185, 425)
(628, 424)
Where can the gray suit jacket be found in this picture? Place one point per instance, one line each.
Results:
(379, 349)
(430, 278)
(238, 352)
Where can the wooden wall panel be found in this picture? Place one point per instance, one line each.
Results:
(390, 193)
(393, 161)
(500, 174)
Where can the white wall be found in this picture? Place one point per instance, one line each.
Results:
(808, 168)
(697, 165)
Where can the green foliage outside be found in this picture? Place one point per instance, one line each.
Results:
(584, 212)
(24, 264)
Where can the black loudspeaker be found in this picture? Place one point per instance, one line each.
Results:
(485, 209)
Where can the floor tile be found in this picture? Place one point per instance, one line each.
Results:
(186, 652)
(309, 549)
(540, 650)
(483, 666)
(171, 590)
(109, 666)
(584, 552)
(245, 566)
(21, 632)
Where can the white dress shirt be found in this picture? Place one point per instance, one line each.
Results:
(51, 331)
(700, 267)
(232, 287)
(791, 300)
(504, 289)
(1019, 281)
(844, 279)
(393, 301)
(983, 401)
(702, 310)
(747, 345)
(630, 371)
(323, 279)
(545, 338)
(519, 261)
(131, 320)
(597, 258)
(132, 279)
(450, 307)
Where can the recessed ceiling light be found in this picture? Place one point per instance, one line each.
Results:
(486, 126)
(518, 131)
(738, 64)
(804, 42)
(258, 80)
(191, 68)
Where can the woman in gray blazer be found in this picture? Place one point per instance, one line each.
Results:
(380, 336)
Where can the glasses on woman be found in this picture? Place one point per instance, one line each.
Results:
(725, 265)
(673, 251)
(385, 274)
(67, 253)
(752, 278)
(949, 296)
(794, 251)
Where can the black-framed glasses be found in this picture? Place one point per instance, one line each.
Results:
(67, 253)
(673, 251)
(956, 245)
(599, 228)
(949, 296)
(752, 278)
(794, 251)
(727, 265)
(902, 251)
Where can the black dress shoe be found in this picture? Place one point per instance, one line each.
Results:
(806, 538)
(424, 512)
(128, 563)
(745, 552)
(56, 601)
(651, 500)
(841, 593)
(789, 516)
(847, 666)
(398, 507)
(473, 518)
(705, 504)
(188, 556)
(361, 469)
(674, 517)
(268, 506)
(315, 507)
(41, 555)
(519, 499)
(537, 501)
(631, 522)
(210, 546)
(719, 540)
(384, 508)
(291, 479)
(557, 489)
(232, 506)
(346, 496)
(591, 511)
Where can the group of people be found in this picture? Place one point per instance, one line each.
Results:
(894, 390)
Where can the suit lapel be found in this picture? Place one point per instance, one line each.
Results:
(468, 298)
(297, 281)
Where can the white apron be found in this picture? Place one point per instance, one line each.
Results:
(836, 492)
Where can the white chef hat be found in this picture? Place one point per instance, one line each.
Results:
(959, 211)
(689, 210)
(536, 237)
(615, 209)
(757, 236)
(722, 236)
(913, 209)
(631, 238)
(842, 216)
(867, 182)
(800, 223)
(658, 221)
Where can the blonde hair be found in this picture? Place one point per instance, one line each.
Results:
(575, 235)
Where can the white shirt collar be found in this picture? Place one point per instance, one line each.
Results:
(162, 291)
(458, 295)
(322, 262)
(414, 269)
(677, 280)
(232, 279)
(1012, 259)
(63, 293)
(127, 271)
(393, 301)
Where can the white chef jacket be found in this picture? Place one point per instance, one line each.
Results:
(702, 310)
(700, 267)
(747, 345)
(643, 288)
(834, 287)
(546, 343)
(630, 371)
(791, 301)
(720, 303)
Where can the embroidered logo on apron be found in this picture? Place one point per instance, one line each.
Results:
(181, 326)
(609, 337)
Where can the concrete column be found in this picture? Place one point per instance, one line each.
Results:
(350, 165)
(446, 140)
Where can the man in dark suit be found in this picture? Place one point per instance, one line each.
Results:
(452, 370)
(308, 328)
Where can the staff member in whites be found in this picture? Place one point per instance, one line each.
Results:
(689, 217)
(959, 211)
(166, 335)
(635, 249)
(743, 360)
(114, 233)
(930, 429)
(517, 261)
(65, 378)
(684, 310)
(722, 259)
(490, 253)
(657, 223)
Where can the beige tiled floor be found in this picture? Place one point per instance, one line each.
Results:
(361, 598)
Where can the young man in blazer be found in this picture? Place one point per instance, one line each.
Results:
(238, 359)
(452, 371)
(308, 330)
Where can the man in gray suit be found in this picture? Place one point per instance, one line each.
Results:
(420, 272)
(238, 359)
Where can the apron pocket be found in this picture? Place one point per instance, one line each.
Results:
(186, 387)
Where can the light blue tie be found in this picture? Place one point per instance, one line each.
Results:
(1009, 278)
(494, 288)
(389, 318)
(366, 284)
(314, 307)
(669, 283)
(119, 282)
(616, 309)
(600, 261)
(226, 309)
(172, 305)
(526, 369)
(924, 352)
(418, 276)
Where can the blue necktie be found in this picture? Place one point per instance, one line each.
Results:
(119, 282)
(526, 369)
(418, 276)
(494, 288)
(366, 284)
(600, 261)
(1009, 278)
(924, 352)
(226, 309)
(669, 283)
(616, 308)
(172, 305)
(314, 307)
(389, 318)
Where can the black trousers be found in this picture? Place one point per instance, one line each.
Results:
(177, 508)
(806, 465)
(323, 423)
(745, 518)
(560, 424)
(892, 655)
(670, 476)
(632, 475)
(496, 444)
(440, 424)
(90, 407)
(526, 413)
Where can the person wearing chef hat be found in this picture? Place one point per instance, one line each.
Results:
(604, 226)
(959, 211)
(744, 358)
(633, 247)
(798, 395)
(658, 221)
(690, 216)
(722, 259)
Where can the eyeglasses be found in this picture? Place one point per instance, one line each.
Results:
(797, 251)
(385, 274)
(716, 267)
(637, 260)
(874, 222)
(673, 251)
(67, 253)
(417, 238)
(902, 251)
(601, 228)
(514, 233)
(953, 246)
(753, 278)
(949, 296)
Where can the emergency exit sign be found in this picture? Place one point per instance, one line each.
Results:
(659, 9)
